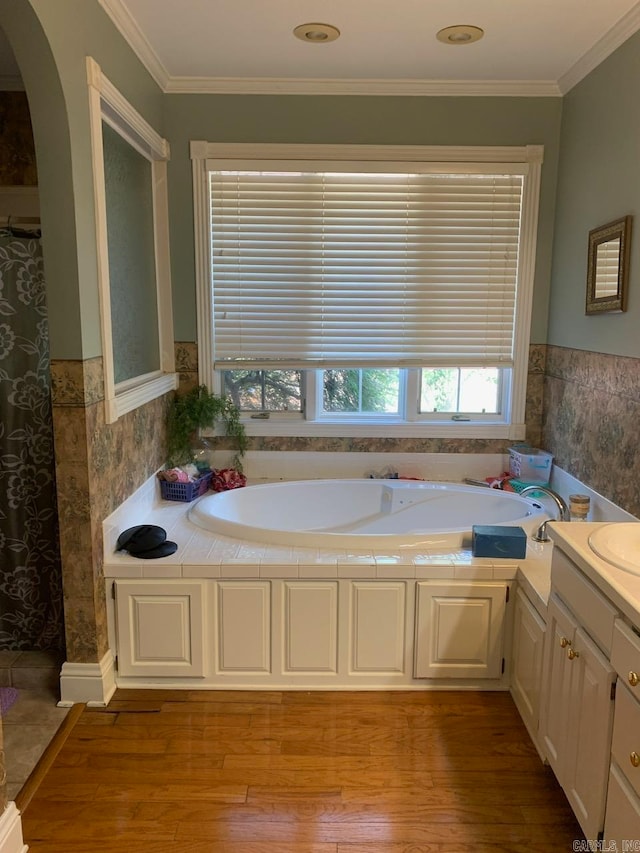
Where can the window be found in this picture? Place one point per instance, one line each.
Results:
(129, 166)
(355, 286)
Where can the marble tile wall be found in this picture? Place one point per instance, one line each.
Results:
(98, 466)
(590, 423)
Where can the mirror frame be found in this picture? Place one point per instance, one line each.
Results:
(618, 229)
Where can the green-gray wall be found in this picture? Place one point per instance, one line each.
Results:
(355, 120)
(51, 41)
(599, 181)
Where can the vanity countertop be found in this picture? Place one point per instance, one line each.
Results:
(621, 587)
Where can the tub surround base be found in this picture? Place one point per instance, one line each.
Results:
(228, 613)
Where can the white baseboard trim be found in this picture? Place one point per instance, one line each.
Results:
(92, 683)
(11, 831)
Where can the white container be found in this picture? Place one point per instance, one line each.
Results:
(530, 464)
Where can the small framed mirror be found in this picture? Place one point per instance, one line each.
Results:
(608, 266)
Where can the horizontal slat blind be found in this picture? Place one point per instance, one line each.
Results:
(343, 269)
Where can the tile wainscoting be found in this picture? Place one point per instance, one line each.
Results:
(591, 411)
(98, 466)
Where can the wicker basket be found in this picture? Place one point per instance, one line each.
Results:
(185, 491)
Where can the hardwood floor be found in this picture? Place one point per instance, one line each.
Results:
(299, 772)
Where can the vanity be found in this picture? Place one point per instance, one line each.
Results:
(589, 720)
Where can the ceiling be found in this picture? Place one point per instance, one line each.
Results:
(530, 47)
(386, 46)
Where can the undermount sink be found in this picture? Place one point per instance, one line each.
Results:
(618, 544)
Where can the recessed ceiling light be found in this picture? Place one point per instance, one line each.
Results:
(460, 34)
(316, 33)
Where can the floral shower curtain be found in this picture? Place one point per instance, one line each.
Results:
(31, 615)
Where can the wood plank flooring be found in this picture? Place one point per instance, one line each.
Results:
(299, 772)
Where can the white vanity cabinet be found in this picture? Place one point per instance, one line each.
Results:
(460, 629)
(526, 661)
(622, 821)
(577, 691)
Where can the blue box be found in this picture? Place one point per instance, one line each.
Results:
(493, 540)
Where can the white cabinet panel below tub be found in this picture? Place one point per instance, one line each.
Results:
(160, 628)
(310, 627)
(378, 626)
(243, 627)
(459, 629)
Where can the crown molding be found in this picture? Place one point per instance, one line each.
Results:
(604, 47)
(416, 88)
(136, 40)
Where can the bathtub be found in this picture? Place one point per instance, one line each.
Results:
(361, 514)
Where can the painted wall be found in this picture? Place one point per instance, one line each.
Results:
(591, 388)
(355, 120)
(50, 42)
(599, 181)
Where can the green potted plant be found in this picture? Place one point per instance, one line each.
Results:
(194, 410)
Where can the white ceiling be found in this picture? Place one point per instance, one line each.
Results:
(530, 47)
(387, 46)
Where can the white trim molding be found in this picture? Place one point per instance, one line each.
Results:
(604, 47)
(92, 683)
(136, 40)
(374, 87)
(108, 105)
(11, 831)
(525, 160)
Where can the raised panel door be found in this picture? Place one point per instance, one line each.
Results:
(590, 724)
(526, 661)
(378, 614)
(243, 627)
(310, 627)
(556, 686)
(459, 629)
(160, 628)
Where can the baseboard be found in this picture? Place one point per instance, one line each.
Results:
(11, 831)
(91, 683)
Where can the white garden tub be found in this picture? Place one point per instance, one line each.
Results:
(361, 514)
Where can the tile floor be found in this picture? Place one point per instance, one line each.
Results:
(32, 721)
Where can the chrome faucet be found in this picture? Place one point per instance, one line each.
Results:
(541, 534)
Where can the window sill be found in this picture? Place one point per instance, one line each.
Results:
(450, 429)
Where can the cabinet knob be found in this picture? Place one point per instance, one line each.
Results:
(635, 759)
(634, 678)
(572, 653)
(564, 642)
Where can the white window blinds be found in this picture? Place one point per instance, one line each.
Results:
(349, 268)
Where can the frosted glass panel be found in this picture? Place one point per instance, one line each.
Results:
(132, 269)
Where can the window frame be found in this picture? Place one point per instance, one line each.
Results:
(529, 158)
(107, 104)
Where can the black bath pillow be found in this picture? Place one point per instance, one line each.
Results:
(163, 550)
(142, 537)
